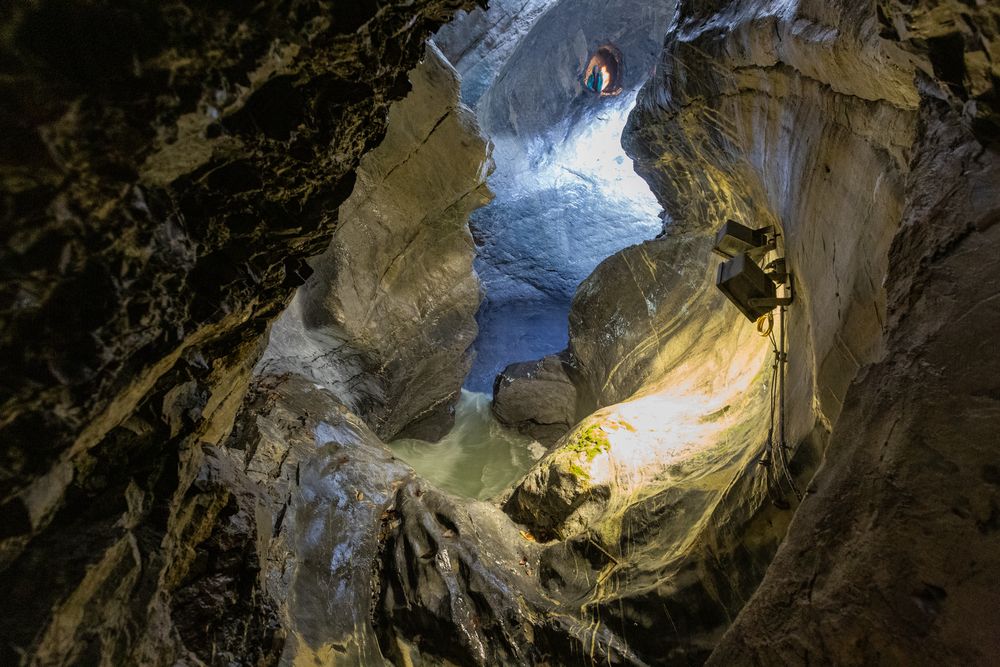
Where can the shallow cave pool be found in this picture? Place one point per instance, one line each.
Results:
(479, 457)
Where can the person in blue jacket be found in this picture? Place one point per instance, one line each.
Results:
(596, 79)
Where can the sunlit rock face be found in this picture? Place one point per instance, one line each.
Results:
(165, 170)
(389, 314)
(566, 195)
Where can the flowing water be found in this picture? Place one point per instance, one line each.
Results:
(478, 458)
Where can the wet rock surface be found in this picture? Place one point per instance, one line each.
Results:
(166, 170)
(908, 479)
(368, 564)
(736, 125)
(387, 319)
(537, 398)
(513, 331)
(566, 195)
(179, 175)
(479, 42)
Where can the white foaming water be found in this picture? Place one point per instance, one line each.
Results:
(478, 458)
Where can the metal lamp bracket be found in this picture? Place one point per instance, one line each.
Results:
(776, 270)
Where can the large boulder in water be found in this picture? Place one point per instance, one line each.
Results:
(537, 398)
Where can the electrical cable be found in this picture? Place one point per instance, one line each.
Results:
(783, 445)
(777, 404)
(768, 322)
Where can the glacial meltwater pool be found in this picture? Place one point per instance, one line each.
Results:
(478, 459)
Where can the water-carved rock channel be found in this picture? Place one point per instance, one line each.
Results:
(369, 333)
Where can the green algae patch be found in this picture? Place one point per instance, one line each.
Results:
(590, 442)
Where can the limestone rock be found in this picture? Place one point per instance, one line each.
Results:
(389, 314)
(894, 553)
(165, 171)
(366, 563)
(537, 398)
(162, 188)
(541, 84)
(478, 43)
(737, 124)
(567, 196)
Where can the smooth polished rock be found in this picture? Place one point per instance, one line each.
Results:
(738, 125)
(893, 555)
(537, 398)
(388, 317)
(368, 563)
(479, 42)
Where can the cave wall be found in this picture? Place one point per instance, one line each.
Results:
(162, 189)
(540, 83)
(387, 319)
(893, 555)
(479, 42)
(370, 564)
(566, 195)
(795, 138)
(820, 119)
(166, 170)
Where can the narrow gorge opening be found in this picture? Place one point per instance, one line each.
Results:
(374, 332)
(565, 198)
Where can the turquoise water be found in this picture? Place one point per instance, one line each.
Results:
(478, 459)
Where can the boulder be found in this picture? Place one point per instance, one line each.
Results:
(537, 398)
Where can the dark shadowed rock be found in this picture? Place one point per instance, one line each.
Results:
(537, 398)
(165, 171)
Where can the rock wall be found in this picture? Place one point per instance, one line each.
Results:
(163, 187)
(831, 122)
(894, 554)
(478, 43)
(388, 317)
(540, 84)
(369, 564)
(537, 398)
(166, 169)
(567, 197)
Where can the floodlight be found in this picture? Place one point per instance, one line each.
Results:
(734, 239)
(747, 286)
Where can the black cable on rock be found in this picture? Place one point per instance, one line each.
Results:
(770, 459)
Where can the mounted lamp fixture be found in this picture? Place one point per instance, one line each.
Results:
(753, 289)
